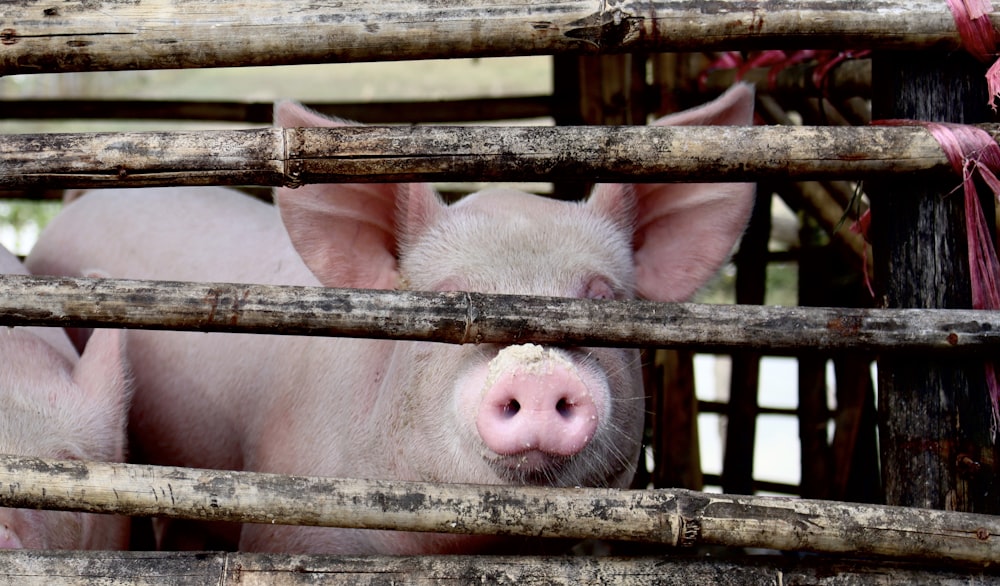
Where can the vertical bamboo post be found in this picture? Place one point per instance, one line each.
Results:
(816, 279)
(936, 446)
(741, 415)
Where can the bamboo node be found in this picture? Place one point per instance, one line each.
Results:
(690, 533)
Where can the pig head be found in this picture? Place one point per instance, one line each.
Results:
(55, 404)
(524, 414)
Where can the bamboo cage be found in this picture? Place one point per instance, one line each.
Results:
(896, 544)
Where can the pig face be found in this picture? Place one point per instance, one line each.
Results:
(521, 414)
(526, 414)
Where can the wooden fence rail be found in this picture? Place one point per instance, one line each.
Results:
(62, 568)
(293, 156)
(42, 37)
(459, 317)
(672, 517)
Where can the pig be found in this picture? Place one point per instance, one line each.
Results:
(382, 409)
(57, 404)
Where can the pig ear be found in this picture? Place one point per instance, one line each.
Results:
(684, 232)
(346, 233)
(102, 373)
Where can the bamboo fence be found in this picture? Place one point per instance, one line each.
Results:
(37, 37)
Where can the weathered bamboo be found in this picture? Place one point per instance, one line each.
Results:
(39, 37)
(61, 568)
(459, 317)
(673, 517)
(852, 77)
(274, 156)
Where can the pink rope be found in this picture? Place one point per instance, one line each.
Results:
(971, 152)
(979, 38)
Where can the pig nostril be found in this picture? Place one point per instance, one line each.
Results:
(511, 408)
(563, 408)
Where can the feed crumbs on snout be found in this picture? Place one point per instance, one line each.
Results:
(528, 359)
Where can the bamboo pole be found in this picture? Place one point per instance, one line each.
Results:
(850, 78)
(373, 154)
(460, 317)
(63, 568)
(680, 518)
(39, 37)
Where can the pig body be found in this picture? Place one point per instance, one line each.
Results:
(398, 410)
(56, 404)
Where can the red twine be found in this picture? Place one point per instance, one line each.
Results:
(972, 19)
(778, 61)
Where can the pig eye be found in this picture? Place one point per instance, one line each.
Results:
(599, 288)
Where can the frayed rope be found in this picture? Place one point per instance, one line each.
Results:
(972, 19)
(973, 152)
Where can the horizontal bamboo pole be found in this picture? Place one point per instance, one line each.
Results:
(459, 317)
(110, 568)
(672, 517)
(41, 37)
(273, 156)
(849, 78)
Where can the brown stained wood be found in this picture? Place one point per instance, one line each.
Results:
(671, 517)
(459, 317)
(937, 442)
(856, 477)
(56, 568)
(39, 37)
(674, 426)
(273, 156)
(741, 413)
(817, 280)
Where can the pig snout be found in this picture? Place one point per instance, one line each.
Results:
(536, 403)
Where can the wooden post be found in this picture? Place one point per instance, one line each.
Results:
(741, 415)
(935, 437)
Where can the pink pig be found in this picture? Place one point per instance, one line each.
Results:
(57, 404)
(400, 410)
